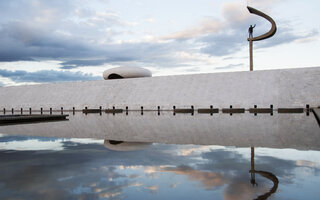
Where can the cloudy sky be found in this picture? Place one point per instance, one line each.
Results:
(71, 40)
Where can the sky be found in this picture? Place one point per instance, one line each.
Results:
(46, 41)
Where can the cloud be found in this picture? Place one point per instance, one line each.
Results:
(233, 35)
(309, 37)
(23, 41)
(235, 13)
(286, 35)
(152, 189)
(231, 66)
(205, 27)
(84, 36)
(233, 38)
(45, 76)
(265, 4)
(80, 63)
(222, 44)
(54, 30)
(40, 44)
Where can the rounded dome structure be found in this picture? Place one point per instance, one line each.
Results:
(126, 72)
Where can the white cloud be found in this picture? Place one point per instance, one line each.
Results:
(205, 27)
(235, 12)
(150, 20)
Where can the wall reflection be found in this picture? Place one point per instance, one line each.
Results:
(243, 130)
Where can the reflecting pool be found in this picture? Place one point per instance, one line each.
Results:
(60, 168)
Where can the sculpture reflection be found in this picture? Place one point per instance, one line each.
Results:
(265, 174)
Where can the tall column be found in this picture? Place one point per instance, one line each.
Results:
(251, 53)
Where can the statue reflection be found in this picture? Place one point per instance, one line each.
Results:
(265, 174)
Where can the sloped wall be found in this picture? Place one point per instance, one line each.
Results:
(281, 88)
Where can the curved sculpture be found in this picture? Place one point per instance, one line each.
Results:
(126, 72)
(271, 32)
(272, 178)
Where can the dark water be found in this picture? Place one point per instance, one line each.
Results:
(50, 168)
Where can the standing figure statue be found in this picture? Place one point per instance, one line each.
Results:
(250, 30)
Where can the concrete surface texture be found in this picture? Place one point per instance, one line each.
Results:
(280, 88)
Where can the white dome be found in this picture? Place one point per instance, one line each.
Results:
(126, 72)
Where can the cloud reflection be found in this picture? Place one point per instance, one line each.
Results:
(153, 189)
(87, 170)
(209, 180)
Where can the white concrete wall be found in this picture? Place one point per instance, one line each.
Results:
(282, 88)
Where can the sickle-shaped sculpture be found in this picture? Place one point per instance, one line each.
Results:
(271, 32)
(271, 177)
(265, 174)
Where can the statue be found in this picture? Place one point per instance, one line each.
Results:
(250, 31)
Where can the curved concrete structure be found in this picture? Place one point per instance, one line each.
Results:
(271, 32)
(126, 72)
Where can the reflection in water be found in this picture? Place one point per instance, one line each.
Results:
(242, 130)
(209, 179)
(265, 174)
(125, 146)
(85, 169)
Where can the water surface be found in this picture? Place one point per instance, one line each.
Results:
(57, 168)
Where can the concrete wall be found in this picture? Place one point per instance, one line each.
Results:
(282, 88)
